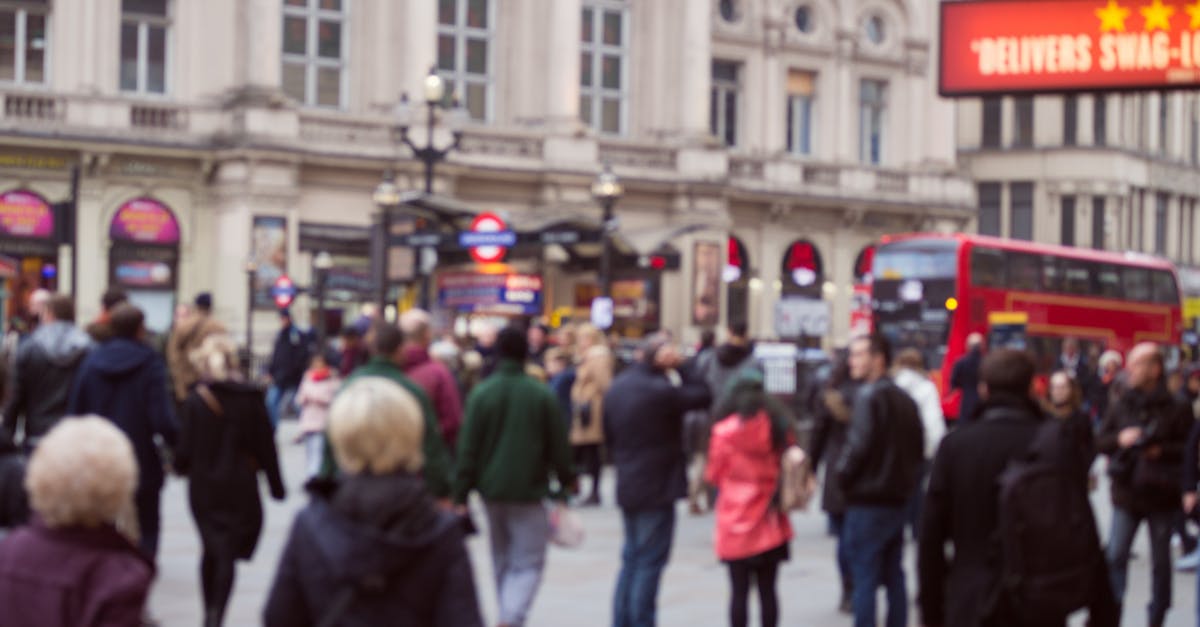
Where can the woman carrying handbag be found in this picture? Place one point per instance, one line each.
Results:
(752, 531)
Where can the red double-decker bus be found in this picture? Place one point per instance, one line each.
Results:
(930, 291)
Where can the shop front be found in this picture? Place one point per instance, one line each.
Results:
(144, 258)
(30, 249)
(346, 285)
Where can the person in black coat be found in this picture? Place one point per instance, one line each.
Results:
(125, 381)
(961, 504)
(289, 359)
(964, 377)
(226, 440)
(376, 550)
(832, 414)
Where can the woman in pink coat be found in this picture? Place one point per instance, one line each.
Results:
(317, 389)
(752, 533)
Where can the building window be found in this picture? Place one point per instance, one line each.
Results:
(723, 102)
(989, 208)
(1099, 119)
(602, 67)
(1067, 229)
(145, 28)
(803, 19)
(1164, 115)
(464, 53)
(23, 42)
(1098, 223)
(1070, 119)
(1160, 224)
(1194, 133)
(314, 58)
(992, 106)
(800, 112)
(875, 29)
(1023, 121)
(1021, 210)
(729, 10)
(872, 106)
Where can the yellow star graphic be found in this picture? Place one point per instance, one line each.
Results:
(1112, 17)
(1157, 16)
(1194, 11)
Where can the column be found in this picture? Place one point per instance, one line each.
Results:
(695, 67)
(415, 34)
(262, 33)
(559, 54)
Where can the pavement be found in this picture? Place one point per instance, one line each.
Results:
(578, 584)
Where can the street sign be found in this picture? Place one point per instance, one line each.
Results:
(283, 291)
(602, 312)
(1006, 46)
(421, 240)
(795, 317)
(488, 239)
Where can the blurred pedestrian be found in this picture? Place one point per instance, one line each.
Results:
(593, 376)
(1111, 383)
(962, 506)
(225, 441)
(1143, 436)
(187, 337)
(354, 351)
(879, 468)
(289, 360)
(387, 354)
(829, 436)
(14, 504)
(71, 567)
(45, 370)
(697, 425)
(910, 376)
(317, 389)
(512, 442)
(643, 426)
(124, 380)
(100, 329)
(538, 336)
(562, 377)
(752, 532)
(433, 376)
(964, 377)
(728, 360)
(377, 550)
(1066, 403)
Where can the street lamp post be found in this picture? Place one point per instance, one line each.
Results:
(322, 264)
(607, 190)
(251, 271)
(387, 197)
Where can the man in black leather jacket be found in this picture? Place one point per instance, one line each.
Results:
(45, 370)
(878, 470)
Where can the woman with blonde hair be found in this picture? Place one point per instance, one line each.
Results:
(593, 376)
(71, 567)
(377, 551)
(226, 440)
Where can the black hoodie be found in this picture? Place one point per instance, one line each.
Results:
(727, 361)
(383, 538)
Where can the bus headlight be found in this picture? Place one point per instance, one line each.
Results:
(951, 304)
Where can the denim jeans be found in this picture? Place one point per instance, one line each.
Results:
(518, 533)
(837, 523)
(648, 538)
(278, 401)
(875, 538)
(1124, 528)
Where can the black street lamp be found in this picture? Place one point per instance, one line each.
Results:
(251, 272)
(607, 190)
(387, 198)
(322, 264)
(429, 154)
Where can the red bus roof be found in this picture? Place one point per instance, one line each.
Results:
(1126, 258)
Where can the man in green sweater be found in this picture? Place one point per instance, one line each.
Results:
(511, 441)
(386, 353)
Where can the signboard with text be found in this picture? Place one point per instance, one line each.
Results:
(25, 214)
(1005, 46)
(144, 221)
(493, 293)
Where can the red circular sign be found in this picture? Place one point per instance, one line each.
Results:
(284, 292)
(488, 223)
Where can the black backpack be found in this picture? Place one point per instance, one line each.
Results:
(1049, 548)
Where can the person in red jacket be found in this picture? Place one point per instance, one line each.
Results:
(432, 375)
(752, 532)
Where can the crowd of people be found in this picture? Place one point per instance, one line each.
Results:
(400, 426)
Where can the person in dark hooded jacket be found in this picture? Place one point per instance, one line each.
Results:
(829, 436)
(125, 381)
(725, 362)
(377, 551)
(45, 370)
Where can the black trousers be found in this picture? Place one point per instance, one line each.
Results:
(762, 574)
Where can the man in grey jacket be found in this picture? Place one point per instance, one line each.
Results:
(45, 369)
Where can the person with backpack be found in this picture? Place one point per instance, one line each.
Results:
(879, 469)
(752, 530)
(963, 507)
(1143, 436)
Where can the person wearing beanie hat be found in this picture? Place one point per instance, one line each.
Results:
(186, 337)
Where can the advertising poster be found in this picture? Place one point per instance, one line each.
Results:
(144, 221)
(706, 284)
(268, 250)
(25, 214)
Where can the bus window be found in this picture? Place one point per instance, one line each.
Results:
(1165, 290)
(1024, 272)
(1108, 280)
(915, 262)
(1136, 283)
(987, 267)
(1052, 274)
(1077, 277)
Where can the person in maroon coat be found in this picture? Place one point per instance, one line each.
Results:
(432, 375)
(72, 567)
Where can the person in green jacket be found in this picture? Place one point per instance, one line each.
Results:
(511, 441)
(385, 359)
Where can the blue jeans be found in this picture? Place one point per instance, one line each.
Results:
(837, 523)
(875, 539)
(518, 533)
(278, 401)
(1124, 527)
(648, 537)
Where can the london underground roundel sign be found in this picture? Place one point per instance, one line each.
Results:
(488, 223)
(283, 291)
